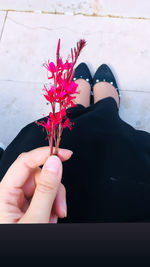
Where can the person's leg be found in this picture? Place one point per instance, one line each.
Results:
(104, 89)
(83, 78)
(84, 90)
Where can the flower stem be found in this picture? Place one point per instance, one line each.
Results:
(51, 141)
(58, 139)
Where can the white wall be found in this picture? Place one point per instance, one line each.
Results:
(127, 8)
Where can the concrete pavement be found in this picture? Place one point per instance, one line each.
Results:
(28, 38)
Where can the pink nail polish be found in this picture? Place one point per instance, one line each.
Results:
(64, 208)
(53, 219)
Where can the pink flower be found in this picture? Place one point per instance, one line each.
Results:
(50, 94)
(50, 66)
(62, 91)
(70, 88)
(67, 123)
(47, 125)
(58, 117)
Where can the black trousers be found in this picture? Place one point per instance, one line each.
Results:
(108, 177)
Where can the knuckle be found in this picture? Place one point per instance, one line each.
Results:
(22, 156)
(45, 186)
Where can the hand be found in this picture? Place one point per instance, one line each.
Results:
(29, 194)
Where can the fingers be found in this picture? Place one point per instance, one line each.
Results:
(64, 154)
(30, 184)
(53, 218)
(59, 209)
(60, 205)
(21, 169)
(41, 204)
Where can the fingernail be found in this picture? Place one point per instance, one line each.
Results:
(71, 152)
(52, 164)
(53, 219)
(64, 208)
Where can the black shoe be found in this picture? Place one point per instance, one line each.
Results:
(104, 74)
(82, 72)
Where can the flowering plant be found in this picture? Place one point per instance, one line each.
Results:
(62, 91)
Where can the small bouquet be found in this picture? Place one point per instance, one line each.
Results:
(62, 91)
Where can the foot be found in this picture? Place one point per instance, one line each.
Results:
(84, 90)
(104, 89)
(83, 78)
(104, 85)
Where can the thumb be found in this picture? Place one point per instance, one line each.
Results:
(47, 186)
